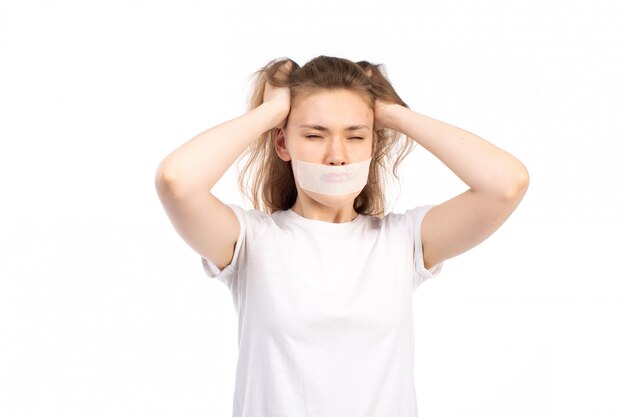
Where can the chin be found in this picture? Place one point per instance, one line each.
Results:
(333, 200)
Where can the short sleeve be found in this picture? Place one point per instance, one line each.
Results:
(415, 217)
(227, 274)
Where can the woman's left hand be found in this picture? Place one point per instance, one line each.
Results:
(381, 109)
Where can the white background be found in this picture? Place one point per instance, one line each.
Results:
(104, 310)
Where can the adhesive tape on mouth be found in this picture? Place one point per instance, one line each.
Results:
(333, 180)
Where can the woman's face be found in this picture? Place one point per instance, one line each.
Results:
(329, 127)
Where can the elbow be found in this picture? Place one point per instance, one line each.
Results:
(518, 185)
(163, 176)
(165, 180)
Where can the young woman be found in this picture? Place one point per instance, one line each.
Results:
(321, 278)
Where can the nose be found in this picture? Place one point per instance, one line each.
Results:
(336, 152)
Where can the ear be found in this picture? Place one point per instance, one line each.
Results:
(281, 146)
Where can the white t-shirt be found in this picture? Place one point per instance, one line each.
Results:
(325, 314)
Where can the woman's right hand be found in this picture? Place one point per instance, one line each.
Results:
(279, 96)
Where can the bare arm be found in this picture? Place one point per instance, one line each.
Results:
(199, 164)
(497, 182)
(184, 179)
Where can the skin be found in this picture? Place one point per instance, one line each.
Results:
(336, 110)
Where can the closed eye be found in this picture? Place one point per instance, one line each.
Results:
(317, 136)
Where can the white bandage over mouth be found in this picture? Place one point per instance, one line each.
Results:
(333, 180)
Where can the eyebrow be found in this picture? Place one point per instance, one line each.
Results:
(325, 129)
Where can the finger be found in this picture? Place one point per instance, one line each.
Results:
(285, 70)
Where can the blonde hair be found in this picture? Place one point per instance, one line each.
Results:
(268, 181)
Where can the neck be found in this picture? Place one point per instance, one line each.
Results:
(315, 211)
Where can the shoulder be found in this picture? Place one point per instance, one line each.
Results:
(410, 218)
(252, 221)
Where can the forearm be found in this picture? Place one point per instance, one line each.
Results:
(481, 165)
(202, 161)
